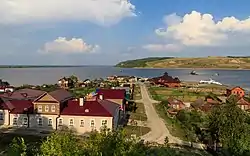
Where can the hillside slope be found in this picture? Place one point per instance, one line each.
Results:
(201, 62)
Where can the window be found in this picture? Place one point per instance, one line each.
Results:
(50, 122)
(71, 122)
(60, 122)
(40, 121)
(40, 108)
(46, 108)
(25, 121)
(92, 123)
(104, 122)
(15, 121)
(1, 116)
(53, 108)
(82, 123)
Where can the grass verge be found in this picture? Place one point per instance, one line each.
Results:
(139, 113)
(137, 130)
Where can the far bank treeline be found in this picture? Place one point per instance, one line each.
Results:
(227, 62)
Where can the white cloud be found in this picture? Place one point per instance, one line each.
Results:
(162, 47)
(74, 45)
(103, 12)
(196, 29)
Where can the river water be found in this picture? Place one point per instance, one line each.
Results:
(19, 76)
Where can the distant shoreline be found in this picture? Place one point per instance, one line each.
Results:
(192, 68)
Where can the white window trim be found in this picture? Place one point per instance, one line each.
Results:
(106, 122)
(70, 120)
(25, 124)
(53, 108)
(49, 122)
(39, 107)
(60, 124)
(94, 123)
(47, 108)
(14, 119)
(82, 125)
(38, 121)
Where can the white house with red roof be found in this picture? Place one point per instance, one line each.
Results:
(49, 111)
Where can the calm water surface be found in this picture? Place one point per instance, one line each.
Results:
(50, 75)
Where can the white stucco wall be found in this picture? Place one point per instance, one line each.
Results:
(5, 120)
(87, 122)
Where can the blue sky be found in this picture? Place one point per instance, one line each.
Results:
(104, 32)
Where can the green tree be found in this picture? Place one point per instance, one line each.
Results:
(61, 143)
(17, 147)
(228, 126)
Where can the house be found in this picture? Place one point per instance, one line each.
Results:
(5, 87)
(114, 95)
(242, 102)
(52, 110)
(127, 89)
(23, 94)
(207, 103)
(235, 91)
(175, 105)
(86, 116)
(166, 80)
(65, 83)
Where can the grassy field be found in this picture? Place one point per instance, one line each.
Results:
(139, 113)
(187, 94)
(202, 62)
(137, 130)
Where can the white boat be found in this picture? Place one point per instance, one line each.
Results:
(210, 81)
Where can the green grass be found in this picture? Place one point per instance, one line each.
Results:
(137, 93)
(137, 130)
(201, 62)
(81, 92)
(140, 113)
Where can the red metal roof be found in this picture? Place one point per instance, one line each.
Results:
(21, 106)
(112, 93)
(90, 108)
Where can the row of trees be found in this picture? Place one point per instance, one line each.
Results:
(225, 128)
(106, 143)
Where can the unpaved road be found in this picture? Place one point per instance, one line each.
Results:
(158, 128)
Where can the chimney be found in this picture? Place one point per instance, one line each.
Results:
(101, 97)
(81, 101)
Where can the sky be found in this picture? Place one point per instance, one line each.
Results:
(104, 32)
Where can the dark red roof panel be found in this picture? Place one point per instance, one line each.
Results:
(21, 106)
(112, 93)
(89, 108)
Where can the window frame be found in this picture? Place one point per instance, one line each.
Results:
(14, 123)
(47, 108)
(82, 121)
(71, 119)
(25, 124)
(38, 123)
(91, 123)
(39, 107)
(1, 116)
(53, 108)
(105, 123)
(60, 123)
(50, 119)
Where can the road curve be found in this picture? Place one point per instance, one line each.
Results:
(158, 128)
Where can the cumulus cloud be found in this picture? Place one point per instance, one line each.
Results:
(74, 45)
(103, 12)
(162, 47)
(196, 29)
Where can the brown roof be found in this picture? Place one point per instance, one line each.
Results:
(61, 95)
(166, 78)
(110, 106)
(173, 101)
(23, 94)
